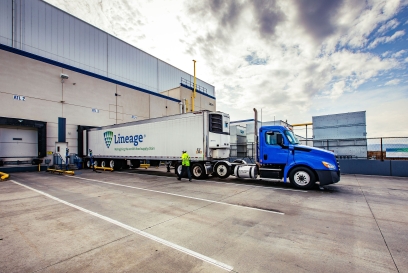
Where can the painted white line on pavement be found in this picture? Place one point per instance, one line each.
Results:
(179, 195)
(227, 183)
(137, 231)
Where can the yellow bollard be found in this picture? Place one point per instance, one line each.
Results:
(4, 176)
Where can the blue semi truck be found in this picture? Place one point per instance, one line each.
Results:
(279, 155)
(205, 135)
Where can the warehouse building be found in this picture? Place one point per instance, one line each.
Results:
(59, 75)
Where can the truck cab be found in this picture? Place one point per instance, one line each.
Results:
(281, 156)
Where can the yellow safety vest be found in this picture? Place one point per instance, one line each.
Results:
(185, 160)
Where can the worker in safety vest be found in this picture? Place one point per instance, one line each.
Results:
(185, 163)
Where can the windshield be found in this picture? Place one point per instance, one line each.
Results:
(291, 137)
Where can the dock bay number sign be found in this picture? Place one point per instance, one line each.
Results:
(17, 97)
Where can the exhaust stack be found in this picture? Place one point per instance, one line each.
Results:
(256, 135)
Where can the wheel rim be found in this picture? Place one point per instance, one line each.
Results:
(302, 178)
(221, 170)
(96, 163)
(103, 164)
(197, 171)
(179, 168)
(88, 164)
(112, 163)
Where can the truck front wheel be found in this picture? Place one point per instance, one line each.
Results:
(222, 170)
(198, 171)
(302, 178)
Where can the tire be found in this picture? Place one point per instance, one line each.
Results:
(302, 178)
(198, 171)
(135, 163)
(177, 169)
(112, 163)
(96, 163)
(115, 165)
(104, 163)
(222, 170)
(88, 164)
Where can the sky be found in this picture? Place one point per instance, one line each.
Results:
(293, 59)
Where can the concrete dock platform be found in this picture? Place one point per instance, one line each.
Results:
(148, 221)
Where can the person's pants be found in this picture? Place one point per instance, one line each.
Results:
(185, 169)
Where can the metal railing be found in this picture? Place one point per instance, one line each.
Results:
(58, 160)
(381, 148)
(191, 84)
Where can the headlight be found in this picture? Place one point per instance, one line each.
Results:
(328, 165)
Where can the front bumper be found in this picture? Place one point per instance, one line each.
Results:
(328, 177)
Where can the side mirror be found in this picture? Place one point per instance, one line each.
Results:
(279, 139)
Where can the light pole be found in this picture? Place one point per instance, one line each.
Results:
(194, 92)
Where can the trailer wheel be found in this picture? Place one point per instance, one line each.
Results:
(177, 169)
(222, 170)
(302, 178)
(96, 163)
(198, 171)
(88, 164)
(104, 163)
(115, 165)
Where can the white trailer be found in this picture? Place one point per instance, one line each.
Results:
(204, 135)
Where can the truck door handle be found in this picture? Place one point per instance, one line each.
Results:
(265, 156)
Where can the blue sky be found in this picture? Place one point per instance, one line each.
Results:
(292, 59)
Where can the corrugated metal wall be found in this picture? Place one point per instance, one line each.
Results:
(340, 126)
(6, 22)
(44, 30)
(344, 134)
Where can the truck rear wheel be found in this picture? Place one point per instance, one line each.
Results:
(302, 178)
(198, 171)
(88, 164)
(222, 170)
(104, 163)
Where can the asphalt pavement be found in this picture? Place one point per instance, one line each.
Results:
(148, 221)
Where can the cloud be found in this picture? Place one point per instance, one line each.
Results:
(392, 24)
(386, 39)
(386, 53)
(338, 89)
(253, 59)
(267, 16)
(360, 18)
(318, 19)
(393, 82)
(399, 53)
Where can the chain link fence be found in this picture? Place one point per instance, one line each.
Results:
(382, 148)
